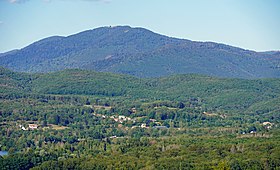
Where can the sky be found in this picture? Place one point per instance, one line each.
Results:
(249, 24)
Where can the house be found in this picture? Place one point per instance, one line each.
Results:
(143, 125)
(133, 110)
(122, 117)
(267, 125)
(32, 126)
(22, 127)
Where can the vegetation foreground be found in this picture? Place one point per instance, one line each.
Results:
(77, 119)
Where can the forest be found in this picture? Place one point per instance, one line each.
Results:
(78, 119)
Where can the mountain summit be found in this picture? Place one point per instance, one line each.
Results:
(140, 52)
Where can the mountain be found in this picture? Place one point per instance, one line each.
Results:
(142, 53)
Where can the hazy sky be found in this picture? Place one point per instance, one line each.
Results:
(249, 24)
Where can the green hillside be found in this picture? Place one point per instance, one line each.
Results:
(239, 95)
(90, 120)
(216, 93)
(13, 82)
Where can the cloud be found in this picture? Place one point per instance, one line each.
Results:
(17, 1)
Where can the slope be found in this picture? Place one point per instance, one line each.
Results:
(142, 53)
(238, 95)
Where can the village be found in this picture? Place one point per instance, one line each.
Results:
(122, 119)
(137, 122)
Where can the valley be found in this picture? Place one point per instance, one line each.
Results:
(85, 119)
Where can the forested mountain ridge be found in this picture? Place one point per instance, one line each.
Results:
(142, 53)
(238, 95)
